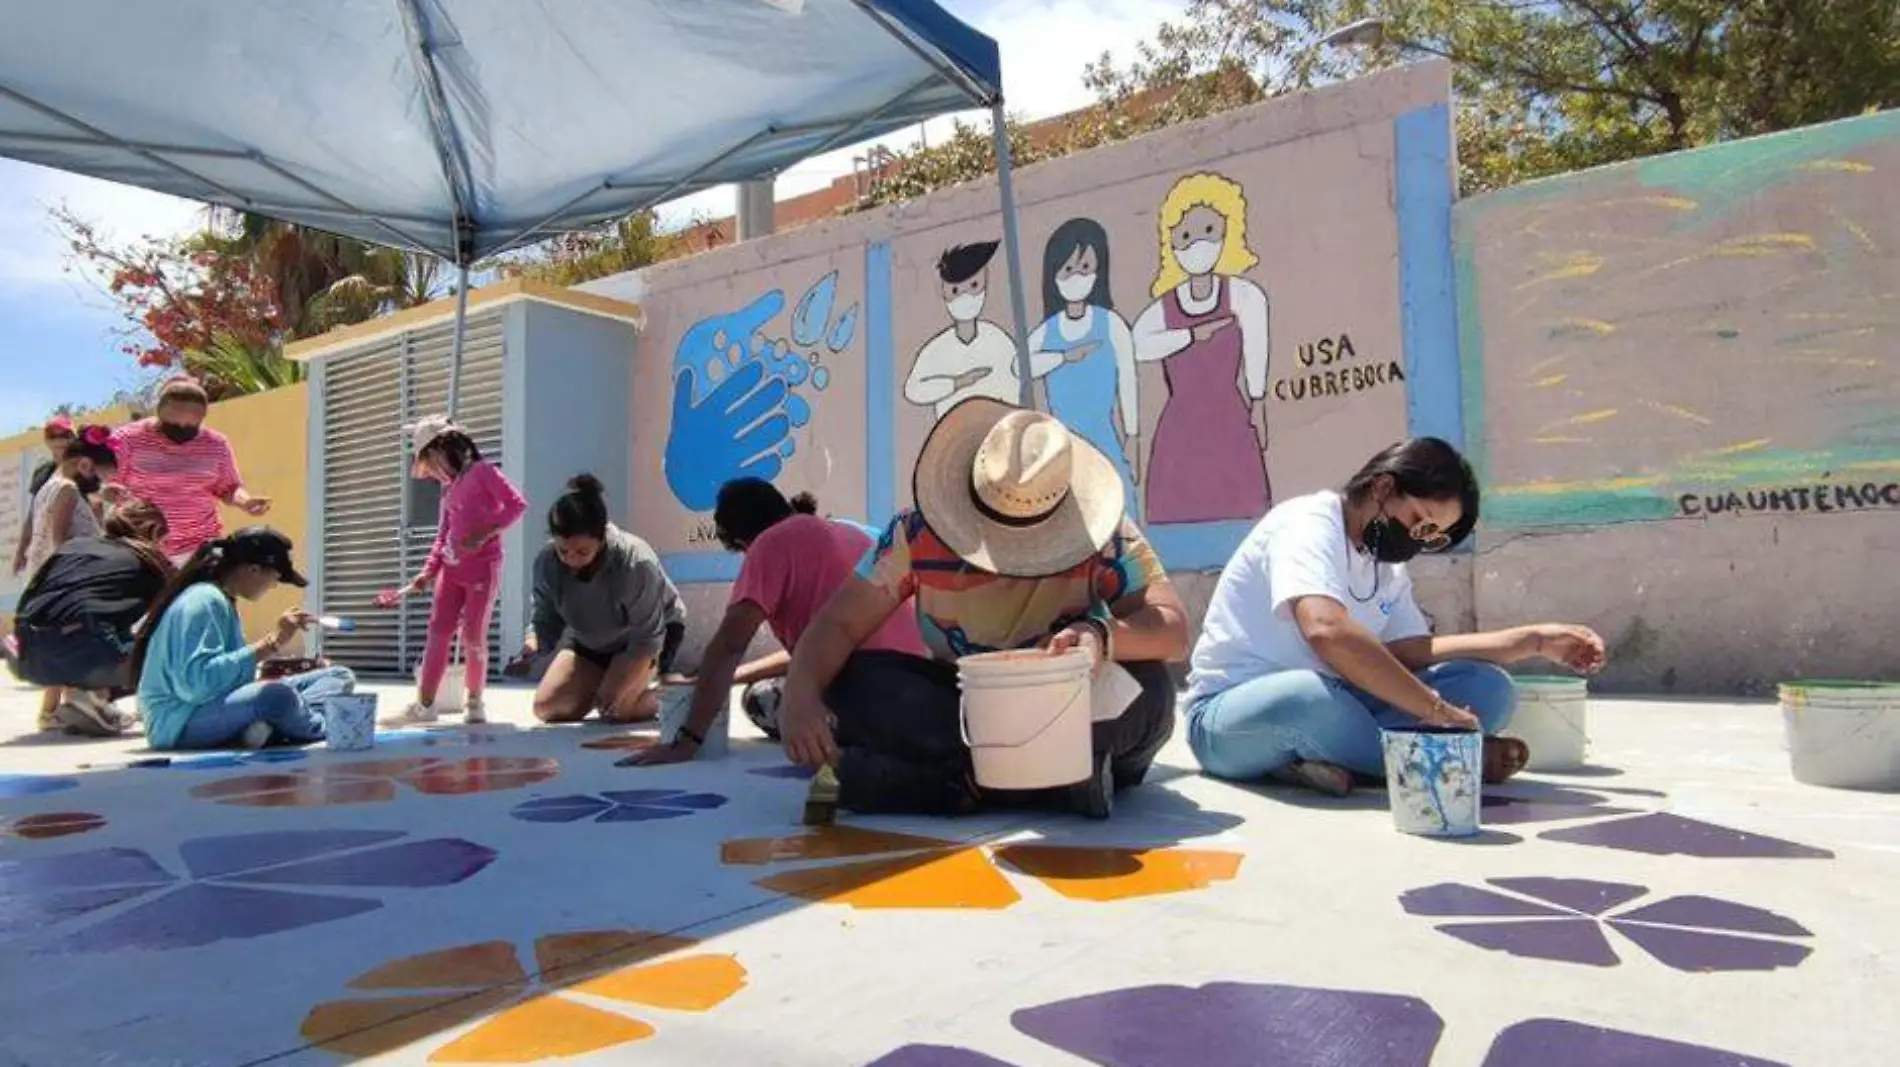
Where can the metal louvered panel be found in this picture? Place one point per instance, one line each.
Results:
(362, 502)
(480, 414)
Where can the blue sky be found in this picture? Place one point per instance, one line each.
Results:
(59, 334)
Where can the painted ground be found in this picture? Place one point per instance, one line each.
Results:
(504, 894)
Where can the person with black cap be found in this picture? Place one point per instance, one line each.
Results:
(197, 676)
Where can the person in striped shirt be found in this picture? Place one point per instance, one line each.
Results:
(186, 468)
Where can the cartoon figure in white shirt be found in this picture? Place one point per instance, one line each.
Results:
(1209, 327)
(1083, 353)
(974, 357)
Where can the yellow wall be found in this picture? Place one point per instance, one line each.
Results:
(268, 433)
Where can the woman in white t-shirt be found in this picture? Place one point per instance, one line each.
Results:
(1313, 640)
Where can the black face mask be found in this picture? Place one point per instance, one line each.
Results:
(1388, 541)
(88, 483)
(177, 434)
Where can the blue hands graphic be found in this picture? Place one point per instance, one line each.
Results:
(736, 390)
(737, 430)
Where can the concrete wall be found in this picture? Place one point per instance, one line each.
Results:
(1681, 389)
(267, 432)
(1336, 213)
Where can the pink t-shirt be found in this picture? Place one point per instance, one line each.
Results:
(185, 482)
(481, 499)
(794, 567)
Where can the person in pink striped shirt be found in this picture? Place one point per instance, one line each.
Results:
(464, 564)
(176, 462)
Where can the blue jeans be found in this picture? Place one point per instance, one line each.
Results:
(293, 706)
(1262, 725)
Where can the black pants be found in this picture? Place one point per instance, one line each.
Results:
(902, 746)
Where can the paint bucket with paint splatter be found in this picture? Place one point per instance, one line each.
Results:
(1433, 775)
(349, 722)
(1026, 717)
(1843, 735)
(1551, 718)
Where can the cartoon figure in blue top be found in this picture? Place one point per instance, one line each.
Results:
(1088, 348)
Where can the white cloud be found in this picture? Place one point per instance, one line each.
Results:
(31, 253)
(1045, 45)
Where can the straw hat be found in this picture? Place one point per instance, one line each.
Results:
(1013, 491)
(426, 430)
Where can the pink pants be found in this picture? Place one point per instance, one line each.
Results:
(461, 607)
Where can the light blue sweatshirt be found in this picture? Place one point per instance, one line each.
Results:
(197, 656)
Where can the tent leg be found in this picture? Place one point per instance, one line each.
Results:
(1018, 305)
(455, 346)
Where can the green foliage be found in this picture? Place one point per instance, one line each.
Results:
(572, 258)
(1548, 86)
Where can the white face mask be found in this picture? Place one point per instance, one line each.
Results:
(1076, 286)
(966, 307)
(1199, 258)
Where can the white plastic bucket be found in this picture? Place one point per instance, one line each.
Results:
(1552, 718)
(349, 722)
(452, 694)
(1026, 718)
(1434, 776)
(1843, 735)
(676, 703)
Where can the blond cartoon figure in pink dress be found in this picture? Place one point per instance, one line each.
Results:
(1208, 329)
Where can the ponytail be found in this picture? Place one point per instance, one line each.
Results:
(140, 526)
(205, 565)
(747, 507)
(581, 511)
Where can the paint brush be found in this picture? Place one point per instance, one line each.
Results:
(821, 803)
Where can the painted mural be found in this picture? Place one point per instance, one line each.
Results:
(1083, 353)
(1704, 336)
(1208, 327)
(741, 381)
(972, 356)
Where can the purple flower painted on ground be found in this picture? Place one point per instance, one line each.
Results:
(1232, 1024)
(1662, 834)
(1563, 919)
(231, 888)
(1512, 805)
(1559, 1043)
(626, 805)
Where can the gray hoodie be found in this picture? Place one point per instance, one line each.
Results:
(622, 606)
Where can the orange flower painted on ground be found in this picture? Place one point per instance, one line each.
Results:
(51, 824)
(524, 1018)
(924, 872)
(375, 781)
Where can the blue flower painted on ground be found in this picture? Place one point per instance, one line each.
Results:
(627, 805)
(738, 390)
(218, 761)
(1563, 919)
(32, 785)
(1238, 1024)
(239, 886)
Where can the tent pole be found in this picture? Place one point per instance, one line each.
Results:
(455, 346)
(1018, 305)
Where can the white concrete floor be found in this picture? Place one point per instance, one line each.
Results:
(195, 915)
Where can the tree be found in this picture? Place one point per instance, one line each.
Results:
(584, 255)
(219, 304)
(1127, 108)
(1546, 86)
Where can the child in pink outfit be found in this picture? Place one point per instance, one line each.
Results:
(464, 564)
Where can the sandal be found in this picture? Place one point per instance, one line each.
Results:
(1504, 757)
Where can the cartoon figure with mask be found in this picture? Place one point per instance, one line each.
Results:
(1208, 327)
(974, 357)
(1083, 352)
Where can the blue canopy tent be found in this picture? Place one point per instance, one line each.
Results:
(466, 128)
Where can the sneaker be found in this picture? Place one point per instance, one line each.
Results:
(1095, 798)
(475, 714)
(256, 735)
(87, 715)
(416, 714)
